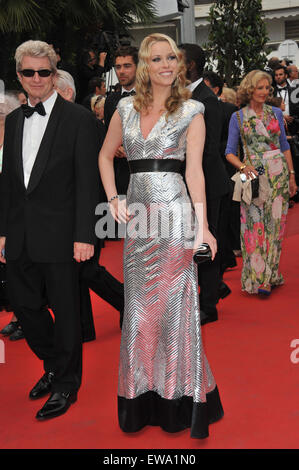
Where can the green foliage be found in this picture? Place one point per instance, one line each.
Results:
(29, 15)
(237, 38)
(70, 24)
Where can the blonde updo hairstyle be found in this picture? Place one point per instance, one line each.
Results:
(249, 84)
(144, 97)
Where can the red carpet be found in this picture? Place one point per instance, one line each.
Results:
(249, 349)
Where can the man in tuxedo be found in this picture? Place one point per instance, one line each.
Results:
(216, 180)
(230, 213)
(293, 75)
(125, 65)
(92, 275)
(92, 65)
(290, 97)
(49, 191)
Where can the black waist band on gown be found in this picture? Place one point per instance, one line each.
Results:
(155, 165)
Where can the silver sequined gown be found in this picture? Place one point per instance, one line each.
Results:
(164, 376)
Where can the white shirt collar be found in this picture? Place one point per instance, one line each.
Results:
(193, 85)
(49, 103)
(123, 90)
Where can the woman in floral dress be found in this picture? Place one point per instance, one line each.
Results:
(266, 152)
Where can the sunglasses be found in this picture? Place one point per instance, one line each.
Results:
(31, 72)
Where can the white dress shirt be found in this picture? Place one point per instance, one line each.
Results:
(34, 129)
(193, 85)
(284, 94)
(123, 90)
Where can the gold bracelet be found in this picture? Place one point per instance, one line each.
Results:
(292, 172)
(242, 167)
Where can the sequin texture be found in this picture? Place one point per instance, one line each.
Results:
(161, 345)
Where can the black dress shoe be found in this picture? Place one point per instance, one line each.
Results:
(56, 405)
(10, 328)
(207, 318)
(224, 290)
(87, 338)
(43, 386)
(18, 334)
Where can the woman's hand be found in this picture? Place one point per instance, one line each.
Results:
(119, 210)
(209, 239)
(249, 171)
(293, 186)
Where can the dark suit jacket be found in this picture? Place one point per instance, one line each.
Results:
(227, 109)
(216, 178)
(121, 167)
(293, 106)
(58, 206)
(110, 106)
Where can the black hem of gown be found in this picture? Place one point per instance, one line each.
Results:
(171, 415)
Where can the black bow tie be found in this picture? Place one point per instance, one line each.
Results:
(128, 93)
(29, 110)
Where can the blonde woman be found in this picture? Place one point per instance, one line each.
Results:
(164, 376)
(266, 152)
(97, 106)
(229, 95)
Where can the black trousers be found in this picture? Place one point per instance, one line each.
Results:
(209, 273)
(95, 277)
(31, 287)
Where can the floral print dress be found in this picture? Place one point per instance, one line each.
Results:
(263, 225)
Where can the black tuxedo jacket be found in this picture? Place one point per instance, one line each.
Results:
(227, 109)
(121, 167)
(293, 106)
(110, 106)
(216, 178)
(58, 206)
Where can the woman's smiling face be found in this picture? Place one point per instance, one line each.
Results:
(163, 64)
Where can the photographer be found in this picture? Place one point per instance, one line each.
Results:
(92, 65)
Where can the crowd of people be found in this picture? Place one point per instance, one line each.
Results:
(172, 132)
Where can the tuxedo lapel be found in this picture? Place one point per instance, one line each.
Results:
(46, 145)
(18, 145)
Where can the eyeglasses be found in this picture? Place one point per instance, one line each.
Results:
(31, 72)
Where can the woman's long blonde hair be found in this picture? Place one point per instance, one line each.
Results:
(179, 92)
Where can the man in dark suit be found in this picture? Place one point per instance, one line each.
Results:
(92, 65)
(92, 275)
(230, 213)
(216, 180)
(125, 65)
(49, 191)
(290, 97)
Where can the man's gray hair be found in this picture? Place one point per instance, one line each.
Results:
(36, 49)
(8, 103)
(63, 80)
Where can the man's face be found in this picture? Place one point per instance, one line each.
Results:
(103, 89)
(38, 88)
(125, 69)
(280, 76)
(293, 72)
